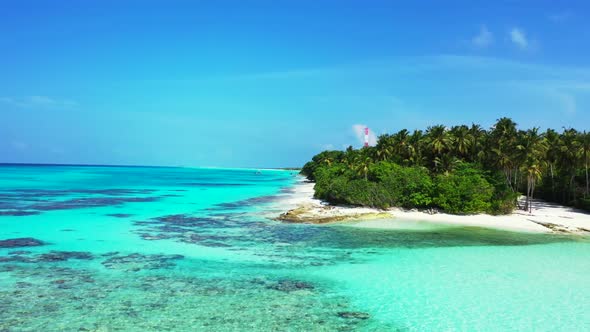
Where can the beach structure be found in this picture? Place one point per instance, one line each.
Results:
(366, 137)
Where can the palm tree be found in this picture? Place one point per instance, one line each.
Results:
(569, 159)
(328, 161)
(438, 139)
(504, 128)
(532, 148)
(362, 165)
(533, 171)
(400, 141)
(461, 139)
(504, 160)
(478, 135)
(383, 153)
(502, 143)
(384, 147)
(415, 150)
(524, 157)
(551, 157)
(446, 163)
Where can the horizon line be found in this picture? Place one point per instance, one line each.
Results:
(153, 166)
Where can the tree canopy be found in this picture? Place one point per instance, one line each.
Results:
(462, 169)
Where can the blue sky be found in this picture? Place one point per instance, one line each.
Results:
(271, 83)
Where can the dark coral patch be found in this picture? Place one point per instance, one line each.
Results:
(214, 230)
(21, 242)
(80, 203)
(153, 237)
(205, 184)
(354, 315)
(215, 244)
(19, 252)
(178, 222)
(50, 257)
(38, 193)
(137, 262)
(22, 202)
(245, 203)
(204, 231)
(60, 256)
(287, 286)
(120, 215)
(18, 213)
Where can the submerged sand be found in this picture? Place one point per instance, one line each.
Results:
(545, 217)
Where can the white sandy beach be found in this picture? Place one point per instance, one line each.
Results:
(545, 217)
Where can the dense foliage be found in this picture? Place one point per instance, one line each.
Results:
(460, 170)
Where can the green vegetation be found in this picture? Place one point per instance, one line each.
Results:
(460, 170)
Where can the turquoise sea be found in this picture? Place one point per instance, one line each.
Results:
(182, 249)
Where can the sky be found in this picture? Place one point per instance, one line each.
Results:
(271, 83)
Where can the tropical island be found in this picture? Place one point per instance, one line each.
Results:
(462, 170)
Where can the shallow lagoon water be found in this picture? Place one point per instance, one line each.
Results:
(139, 248)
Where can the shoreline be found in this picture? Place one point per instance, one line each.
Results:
(301, 207)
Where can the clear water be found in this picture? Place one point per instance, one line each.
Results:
(156, 249)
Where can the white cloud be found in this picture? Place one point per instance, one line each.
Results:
(359, 132)
(484, 39)
(519, 38)
(38, 102)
